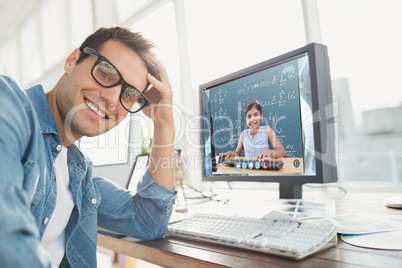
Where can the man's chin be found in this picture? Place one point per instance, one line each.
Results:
(94, 133)
(92, 130)
(86, 132)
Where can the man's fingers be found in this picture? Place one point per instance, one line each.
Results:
(152, 79)
(163, 75)
(158, 90)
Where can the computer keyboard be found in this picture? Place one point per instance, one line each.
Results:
(274, 233)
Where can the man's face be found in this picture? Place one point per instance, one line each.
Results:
(87, 108)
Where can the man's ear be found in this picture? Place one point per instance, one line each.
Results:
(71, 60)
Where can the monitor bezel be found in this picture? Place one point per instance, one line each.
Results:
(321, 98)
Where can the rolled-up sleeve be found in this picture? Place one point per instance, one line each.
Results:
(148, 189)
(143, 215)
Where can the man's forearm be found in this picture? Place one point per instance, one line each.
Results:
(161, 165)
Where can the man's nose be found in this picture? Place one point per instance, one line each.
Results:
(111, 95)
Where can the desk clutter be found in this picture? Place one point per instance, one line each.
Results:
(229, 202)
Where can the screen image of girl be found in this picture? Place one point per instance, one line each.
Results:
(256, 139)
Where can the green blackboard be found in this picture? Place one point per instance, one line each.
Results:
(277, 89)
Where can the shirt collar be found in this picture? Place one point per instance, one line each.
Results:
(38, 99)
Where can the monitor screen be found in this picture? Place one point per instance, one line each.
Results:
(272, 122)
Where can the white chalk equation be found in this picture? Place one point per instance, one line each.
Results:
(288, 73)
(219, 97)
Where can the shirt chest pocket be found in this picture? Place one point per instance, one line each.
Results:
(34, 184)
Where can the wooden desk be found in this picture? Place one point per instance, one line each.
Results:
(174, 252)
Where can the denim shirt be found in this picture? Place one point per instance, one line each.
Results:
(29, 144)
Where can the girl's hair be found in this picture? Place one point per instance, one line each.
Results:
(254, 104)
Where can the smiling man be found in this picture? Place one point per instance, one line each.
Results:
(50, 202)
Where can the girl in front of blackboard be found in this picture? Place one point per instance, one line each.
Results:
(255, 140)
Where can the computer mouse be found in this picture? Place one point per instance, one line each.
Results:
(221, 159)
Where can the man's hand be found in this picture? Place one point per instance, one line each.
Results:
(160, 95)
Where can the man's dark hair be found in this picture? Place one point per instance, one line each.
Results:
(138, 43)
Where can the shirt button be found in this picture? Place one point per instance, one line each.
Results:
(46, 220)
(58, 147)
(93, 201)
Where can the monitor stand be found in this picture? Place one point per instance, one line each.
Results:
(290, 191)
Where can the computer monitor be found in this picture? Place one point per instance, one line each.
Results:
(295, 96)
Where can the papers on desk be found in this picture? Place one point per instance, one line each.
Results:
(354, 224)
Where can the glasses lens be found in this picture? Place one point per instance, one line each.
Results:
(105, 74)
(132, 99)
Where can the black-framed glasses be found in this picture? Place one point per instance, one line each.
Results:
(107, 75)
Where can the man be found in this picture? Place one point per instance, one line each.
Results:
(50, 203)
